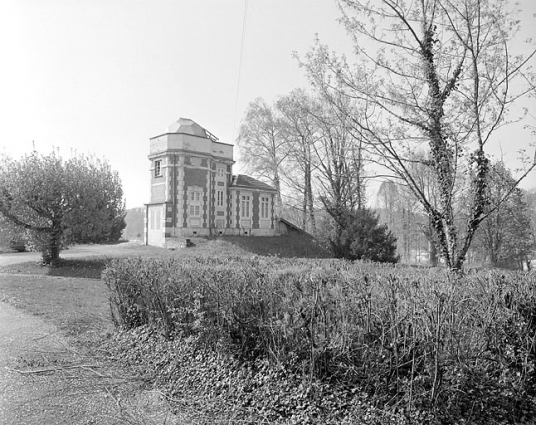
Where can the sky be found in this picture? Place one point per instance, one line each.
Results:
(104, 76)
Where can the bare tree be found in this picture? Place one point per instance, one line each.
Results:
(262, 146)
(300, 130)
(438, 74)
(340, 160)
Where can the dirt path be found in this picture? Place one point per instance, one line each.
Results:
(45, 379)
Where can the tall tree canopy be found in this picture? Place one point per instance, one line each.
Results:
(59, 202)
(438, 75)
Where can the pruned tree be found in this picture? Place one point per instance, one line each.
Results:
(261, 145)
(434, 74)
(60, 202)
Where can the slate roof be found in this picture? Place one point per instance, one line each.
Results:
(244, 181)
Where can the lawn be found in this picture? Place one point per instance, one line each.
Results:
(75, 305)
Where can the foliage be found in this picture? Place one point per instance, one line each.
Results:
(436, 72)
(518, 243)
(326, 341)
(60, 202)
(9, 232)
(505, 237)
(359, 236)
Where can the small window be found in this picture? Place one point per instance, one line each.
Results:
(221, 172)
(158, 168)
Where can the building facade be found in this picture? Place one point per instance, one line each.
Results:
(194, 193)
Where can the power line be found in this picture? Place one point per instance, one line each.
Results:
(244, 26)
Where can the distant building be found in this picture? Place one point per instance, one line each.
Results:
(194, 193)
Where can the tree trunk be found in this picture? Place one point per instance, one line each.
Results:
(304, 209)
(309, 192)
(278, 202)
(51, 250)
(433, 254)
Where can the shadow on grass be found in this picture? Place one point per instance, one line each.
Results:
(82, 268)
(90, 268)
(285, 246)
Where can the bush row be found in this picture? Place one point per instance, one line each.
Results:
(412, 339)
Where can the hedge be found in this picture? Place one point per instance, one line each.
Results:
(413, 339)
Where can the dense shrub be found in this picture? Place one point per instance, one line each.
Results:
(414, 340)
(358, 235)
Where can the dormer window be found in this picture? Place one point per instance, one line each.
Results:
(158, 168)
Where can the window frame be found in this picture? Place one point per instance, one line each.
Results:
(158, 168)
(195, 210)
(195, 201)
(245, 200)
(265, 207)
(220, 198)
